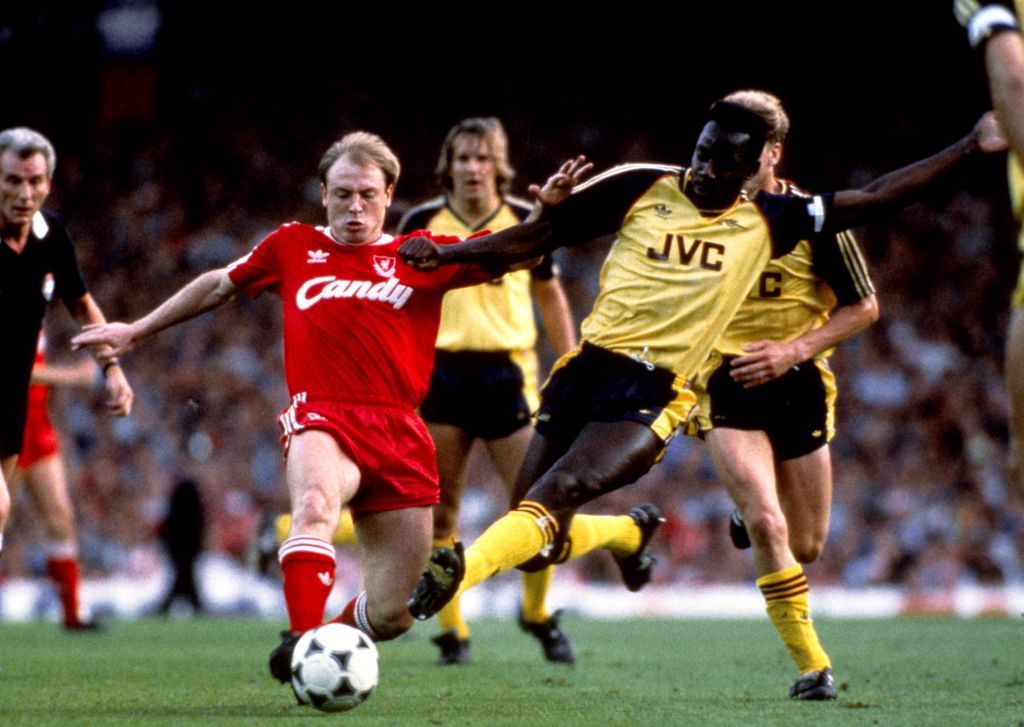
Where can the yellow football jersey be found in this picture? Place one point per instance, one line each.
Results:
(794, 293)
(675, 275)
(494, 316)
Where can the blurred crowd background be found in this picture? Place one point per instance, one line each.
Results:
(184, 137)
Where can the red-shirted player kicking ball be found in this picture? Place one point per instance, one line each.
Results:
(359, 332)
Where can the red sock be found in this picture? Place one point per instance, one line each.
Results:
(354, 615)
(308, 568)
(64, 573)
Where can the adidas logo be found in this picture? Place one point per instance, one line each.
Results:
(327, 578)
(733, 223)
(662, 210)
(318, 256)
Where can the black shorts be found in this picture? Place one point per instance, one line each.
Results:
(593, 384)
(13, 411)
(794, 410)
(481, 392)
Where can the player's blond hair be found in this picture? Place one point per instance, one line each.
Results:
(25, 142)
(362, 147)
(768, 107)
(490, 130)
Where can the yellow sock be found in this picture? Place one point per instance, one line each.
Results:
(346, 532)
(450, 618)
(344, 535)
(512, 540)
(535, 595)
(785, 593)
(618, 533)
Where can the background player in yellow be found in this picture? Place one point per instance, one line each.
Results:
(993, 28)
(766, 398)
(689, 246)
(484, 384)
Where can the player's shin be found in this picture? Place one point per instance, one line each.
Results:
(786, 596)
(307, 565)
(515, 538)
(617, 533)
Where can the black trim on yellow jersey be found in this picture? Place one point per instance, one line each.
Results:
(599, 207)
(422, 215)
(418, 217)
(837, 261)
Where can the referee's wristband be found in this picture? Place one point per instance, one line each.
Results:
(108, 364)
(987, 22)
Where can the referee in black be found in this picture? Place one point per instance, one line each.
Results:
(37, 261)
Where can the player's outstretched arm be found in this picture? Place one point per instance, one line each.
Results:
(767, 360)
(901, 187)
(994, 28)
(119, 393)
(206, 292)
(509, 247)
(558, 186)
(1004, 58)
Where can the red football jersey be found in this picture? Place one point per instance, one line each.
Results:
(359, 324)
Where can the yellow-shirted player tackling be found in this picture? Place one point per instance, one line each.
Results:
(768, 428)
(605, 410)
(484, 383)
(994, 29)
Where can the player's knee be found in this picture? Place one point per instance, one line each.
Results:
(391, 621)
(312, 509)
(807, 549)
(767, 527)
(561, 490)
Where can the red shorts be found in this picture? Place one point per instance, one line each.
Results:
(390, 446)
(40, 439)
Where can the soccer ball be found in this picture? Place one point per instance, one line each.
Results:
(334, 667)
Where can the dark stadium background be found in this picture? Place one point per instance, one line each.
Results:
(187, 130)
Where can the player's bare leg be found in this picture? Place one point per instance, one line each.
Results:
(453, 445)
(393, 546)
(1014, 367)
(321, 478)
(604, 457)
(805, 494)
(508, 454)
(46, 483)
(745, 463)
(6, 471)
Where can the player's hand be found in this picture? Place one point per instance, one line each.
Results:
(109, 339)
(983, 19)
(560, 184)
(763, 361)
(420, 253)
(119, 393)
(991, 137)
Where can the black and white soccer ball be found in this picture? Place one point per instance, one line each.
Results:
(334, 667)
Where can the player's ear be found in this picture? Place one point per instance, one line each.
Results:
(323, 194)
(774, 150)
(388, 194)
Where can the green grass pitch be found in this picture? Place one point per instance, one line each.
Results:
(638, 673)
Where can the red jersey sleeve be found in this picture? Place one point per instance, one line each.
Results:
(259, 270)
